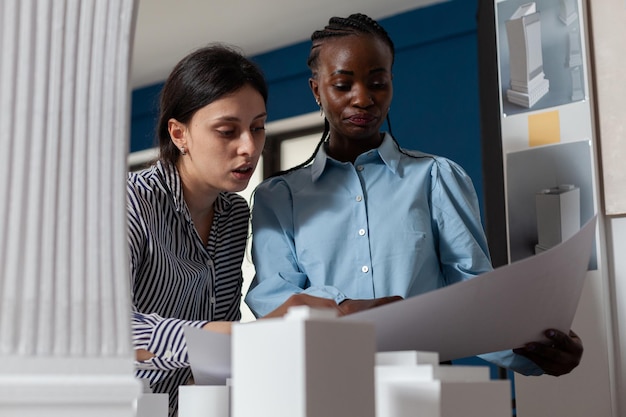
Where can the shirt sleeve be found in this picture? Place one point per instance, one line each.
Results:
(162, 337)
(510, 360)
(463, 245)
(278, 275)
(463, 250)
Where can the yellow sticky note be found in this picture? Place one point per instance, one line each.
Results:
(544, 128)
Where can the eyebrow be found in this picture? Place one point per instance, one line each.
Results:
(236, 119)
(346, 72)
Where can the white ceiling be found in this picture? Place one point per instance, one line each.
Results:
(169, 29)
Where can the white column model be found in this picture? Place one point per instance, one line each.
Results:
(64, 306)
(528, 82)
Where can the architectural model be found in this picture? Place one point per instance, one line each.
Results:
(413, 383)
(558, 215)
(568, 13)
(528, 83)
(309, 364)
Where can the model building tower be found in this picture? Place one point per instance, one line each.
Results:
(528, 83)
(307, 364)
(412, 383)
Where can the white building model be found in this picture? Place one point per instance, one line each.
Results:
(528, 82)
(309, 364)
(413, 383)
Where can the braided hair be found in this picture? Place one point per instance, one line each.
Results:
(355, 24)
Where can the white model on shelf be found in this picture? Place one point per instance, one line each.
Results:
(528, 83)
(574, 57)
(558, 215)
(568, 12)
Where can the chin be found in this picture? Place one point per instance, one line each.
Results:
(238, 187)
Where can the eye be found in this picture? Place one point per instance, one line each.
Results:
(342, 87)
(257, 129)
(227, 133)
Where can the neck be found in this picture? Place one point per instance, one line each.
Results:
(200, 201)
(202, 212)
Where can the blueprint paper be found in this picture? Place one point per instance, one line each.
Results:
(498, 310)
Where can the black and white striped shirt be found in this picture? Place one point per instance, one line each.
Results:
(176, 280)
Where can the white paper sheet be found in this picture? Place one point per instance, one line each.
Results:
(499, 310)
(209, 355)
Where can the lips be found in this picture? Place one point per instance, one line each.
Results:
(244, 169)
(361, 119)
(243, 173)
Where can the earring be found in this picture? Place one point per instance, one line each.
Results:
(182, 150)
(317, 100)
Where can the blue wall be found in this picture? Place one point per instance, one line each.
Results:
(436, 104)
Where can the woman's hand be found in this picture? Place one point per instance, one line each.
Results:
(344, 308)
(219, 326)
(303, 300)
(143, 355)
(558, 357)
(354, 306)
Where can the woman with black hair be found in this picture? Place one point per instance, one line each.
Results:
(187, 227)
(364, 222)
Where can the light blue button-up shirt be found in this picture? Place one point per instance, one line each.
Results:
(395, 222)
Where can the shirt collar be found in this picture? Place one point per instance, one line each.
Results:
(170, 180)
(387, 151)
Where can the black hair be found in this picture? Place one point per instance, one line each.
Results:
(199, 79)
(355, 24)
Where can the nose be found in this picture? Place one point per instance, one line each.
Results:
(362, 96)
(251, 144)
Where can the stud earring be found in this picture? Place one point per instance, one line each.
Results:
(317, 100)
(182, 150)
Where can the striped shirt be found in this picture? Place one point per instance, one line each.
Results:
(175, 279)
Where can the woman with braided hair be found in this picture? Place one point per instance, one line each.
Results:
(365, 222)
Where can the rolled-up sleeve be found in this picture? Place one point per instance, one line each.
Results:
(162, 337)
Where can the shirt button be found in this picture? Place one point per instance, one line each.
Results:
(212, 299)
(167, 354)
(362, 232)
(365, 268)
(359, 198)
(359, 168)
